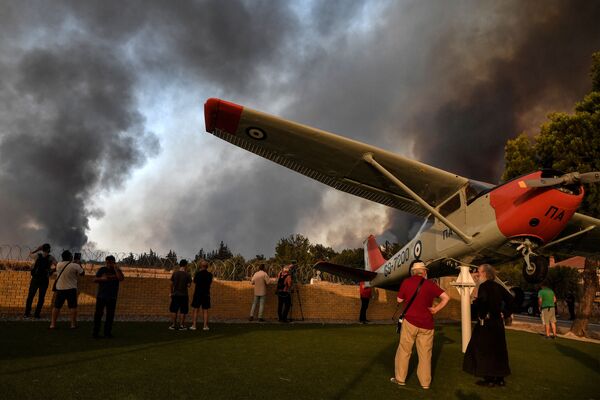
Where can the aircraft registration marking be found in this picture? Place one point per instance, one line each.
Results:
(402, 257)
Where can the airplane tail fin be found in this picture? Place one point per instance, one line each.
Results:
(373, 257)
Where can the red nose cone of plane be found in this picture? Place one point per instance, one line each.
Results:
(222, 115)
(533, 212)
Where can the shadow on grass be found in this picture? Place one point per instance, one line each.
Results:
(583, 358)
(459, 394)
(386, 357)
(21, 340)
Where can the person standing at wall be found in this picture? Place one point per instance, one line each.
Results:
(108, 279)
(260, 280)
(181, 280)
(487, 355)
(365, 296)
(547, 302)
(284, 293)
(66, 288)
(40, 278)
(203, 280)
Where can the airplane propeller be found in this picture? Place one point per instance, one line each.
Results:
(566, 179)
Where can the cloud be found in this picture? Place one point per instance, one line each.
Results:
(443, 83)
(69, 128)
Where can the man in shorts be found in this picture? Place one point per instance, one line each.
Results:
(66, 288)
(546, 301)
(203, 279)
(180, 282)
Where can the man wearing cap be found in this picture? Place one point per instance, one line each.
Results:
(40, 278)
(418, 323)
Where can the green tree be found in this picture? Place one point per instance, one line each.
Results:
(351, 258)
(320, 252)
(294, 247)
(569, 143)
(563, 280)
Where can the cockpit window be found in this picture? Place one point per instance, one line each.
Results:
(476, 189)
(429, 221)
(451, 205)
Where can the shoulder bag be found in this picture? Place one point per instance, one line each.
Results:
(401, 318)
(58, 277)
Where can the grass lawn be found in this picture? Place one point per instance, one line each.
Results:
(264, 361)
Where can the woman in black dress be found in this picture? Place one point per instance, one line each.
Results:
(486, 356)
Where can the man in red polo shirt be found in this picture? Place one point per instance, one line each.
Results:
(418, 324)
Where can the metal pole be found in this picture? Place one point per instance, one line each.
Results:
(465, 286)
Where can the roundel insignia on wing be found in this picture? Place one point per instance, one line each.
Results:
(418, 250)
(256, 133)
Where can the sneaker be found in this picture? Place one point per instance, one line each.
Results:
(553, 336)
(261, 320)
(206, 328)
(425, 387)
(26, 316)
(172, 328)
(183, 328)
(250, 318)
(397, 382)
(192, 328)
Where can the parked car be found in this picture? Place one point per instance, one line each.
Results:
(526, 302)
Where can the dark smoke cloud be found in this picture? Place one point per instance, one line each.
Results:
(547, 66)
(76, 130)
(449, 84)
(444, 83)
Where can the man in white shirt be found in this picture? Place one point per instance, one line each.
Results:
(260, 280)
(67, 273)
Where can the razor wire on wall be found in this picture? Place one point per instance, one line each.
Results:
(16, 258)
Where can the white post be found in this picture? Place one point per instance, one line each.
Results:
(465, 286)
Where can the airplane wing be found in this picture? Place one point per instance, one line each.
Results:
(328, 158)
(587, 244)
(354, 274)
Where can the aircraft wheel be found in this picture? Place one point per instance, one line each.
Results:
(537, 269)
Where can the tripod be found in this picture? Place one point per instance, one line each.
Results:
(295, 290)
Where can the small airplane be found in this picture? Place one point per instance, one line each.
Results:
(466, 222)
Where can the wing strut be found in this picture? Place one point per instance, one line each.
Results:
(571, 236)
(368, 157)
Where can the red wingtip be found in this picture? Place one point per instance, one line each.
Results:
(222, 115)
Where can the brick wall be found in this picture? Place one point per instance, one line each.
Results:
(148, 297)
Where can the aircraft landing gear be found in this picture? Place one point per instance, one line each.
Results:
(535, 268)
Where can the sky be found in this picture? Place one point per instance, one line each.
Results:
(102, 139)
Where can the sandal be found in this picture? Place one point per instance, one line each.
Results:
(397, 382)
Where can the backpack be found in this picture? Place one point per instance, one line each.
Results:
(281, 283)
(41, 267)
